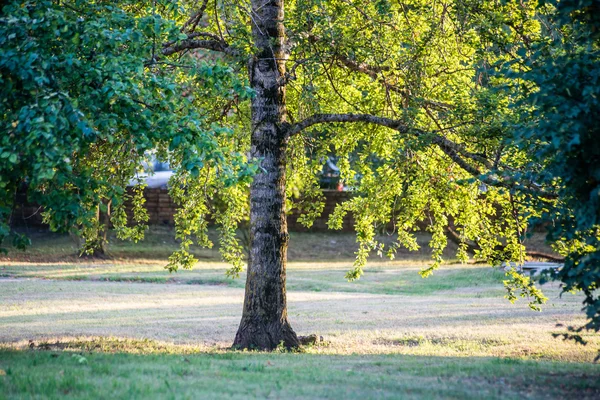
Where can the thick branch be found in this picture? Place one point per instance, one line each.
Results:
(329, 118)
(370, 70)
(454, 151)
(194, 35)
(190, 44)
(451, 149)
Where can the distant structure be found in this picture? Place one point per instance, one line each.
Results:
(157, 174)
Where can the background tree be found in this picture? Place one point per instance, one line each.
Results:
(557, 100)
(82, 106)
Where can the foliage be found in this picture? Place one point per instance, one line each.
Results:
(430, 94)
(85, 101)
(558, 100)
(425, 65)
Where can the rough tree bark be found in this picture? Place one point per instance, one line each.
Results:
(264, 323)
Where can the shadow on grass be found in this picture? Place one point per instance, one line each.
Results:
(117, 368)
(160, 243)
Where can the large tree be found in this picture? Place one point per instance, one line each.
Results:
(401, 92)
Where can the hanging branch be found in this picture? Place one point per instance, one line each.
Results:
(456, 152)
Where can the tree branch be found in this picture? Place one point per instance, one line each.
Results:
(196, 17)
(189, 44)
(330, 118)
(194, 35)
(370, 70)
(456, 152)
(451, 149)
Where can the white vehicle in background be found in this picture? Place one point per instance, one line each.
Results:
(156, 175)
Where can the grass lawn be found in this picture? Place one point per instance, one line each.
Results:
(303, 376)
(126, 328)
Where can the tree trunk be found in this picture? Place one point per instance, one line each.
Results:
(96, 247)
(264, 322)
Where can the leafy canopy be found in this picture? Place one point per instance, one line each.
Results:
(469, 116)
(84, 102)
(557, 99)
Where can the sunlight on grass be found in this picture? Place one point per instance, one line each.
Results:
(127, 328)
(386, 278)
(427, 321)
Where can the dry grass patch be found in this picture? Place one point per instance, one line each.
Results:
(428, 324)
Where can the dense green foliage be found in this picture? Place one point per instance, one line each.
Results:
(470, 117)
(83, 104)
(558, 101)
(424, 66)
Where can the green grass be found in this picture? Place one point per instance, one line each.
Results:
(159, 243)
(317, 277)
(394, 280)
(126, 328)
(217, 374)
